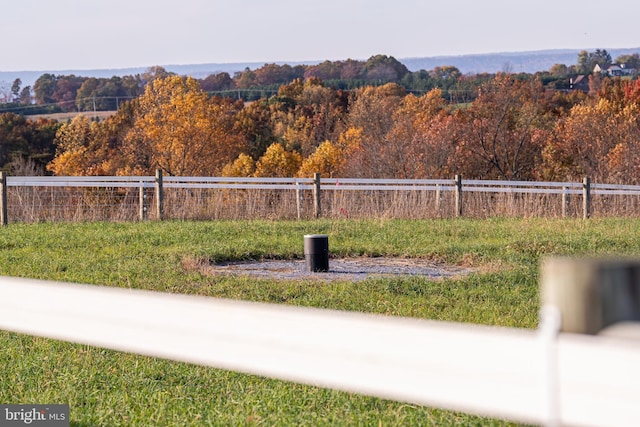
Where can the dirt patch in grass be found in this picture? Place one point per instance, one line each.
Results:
(350, 269)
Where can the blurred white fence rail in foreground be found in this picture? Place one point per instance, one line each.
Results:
(528, 376)
(130, 198)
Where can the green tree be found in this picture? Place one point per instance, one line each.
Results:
(15, 90)
(559, 70)
(588, 60)
(447, 72)
(25, 95)
(44, 87)
(629, 61)
(382, 69)
(22, 139)
(600, 57)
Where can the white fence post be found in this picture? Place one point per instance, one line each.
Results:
(142, 202)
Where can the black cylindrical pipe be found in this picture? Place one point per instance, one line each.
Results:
(316, 252)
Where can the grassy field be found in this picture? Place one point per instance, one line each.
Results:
(105, 387)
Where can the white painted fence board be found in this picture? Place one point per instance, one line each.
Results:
(231, 186)
(381, 181)
(336, 184)
(484, 370)
(599, 380)
(206, 179)
(520, 183)
(365, 187)
(24, 180)
(515, 190)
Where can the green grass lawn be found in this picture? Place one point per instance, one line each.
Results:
(109, 388)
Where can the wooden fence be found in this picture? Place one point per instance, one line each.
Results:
(547, 376)
(45, 198)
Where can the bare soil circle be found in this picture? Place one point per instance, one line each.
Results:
(345, 269)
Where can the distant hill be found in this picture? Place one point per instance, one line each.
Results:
(516, 62)
(527, 62)
(199, 71)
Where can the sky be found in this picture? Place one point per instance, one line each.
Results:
(106, 34)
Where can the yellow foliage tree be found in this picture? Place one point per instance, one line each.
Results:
(327, 160)
(243, 166)
(182, 131)
(278, 162)
(77, 151)
(350, 144)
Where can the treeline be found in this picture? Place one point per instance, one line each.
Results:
(65, 93)
(513, 126)
(515, 129)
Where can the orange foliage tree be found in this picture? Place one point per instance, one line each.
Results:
(422, 137)
(600, 139)
(372, 110)
(182, 131)
(499, 132)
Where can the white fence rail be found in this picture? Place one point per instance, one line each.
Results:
(316, 190)
(523, 375)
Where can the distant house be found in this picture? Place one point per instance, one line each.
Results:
(615, 70)
(580, 83)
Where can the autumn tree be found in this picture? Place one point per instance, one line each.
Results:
(327, 70)
(85, 147)
(327, 160)
(76, 152)
(309, 114)
(183, 131)
(372, 110)
(217, 82)
(422, 139)
(243, 166)
(255, 125)
(600, 138)
(500, 132)
(278, 162)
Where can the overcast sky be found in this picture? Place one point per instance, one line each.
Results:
(91, 34)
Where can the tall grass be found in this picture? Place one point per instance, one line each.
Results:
(35, 204)
(110, 388)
